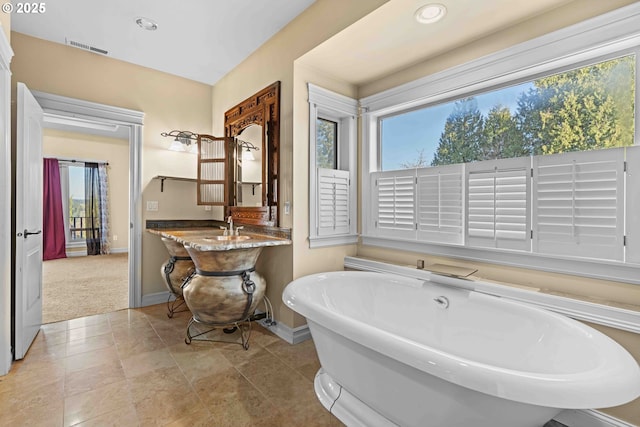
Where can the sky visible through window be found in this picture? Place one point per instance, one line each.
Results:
(404, 135)
(76, 182)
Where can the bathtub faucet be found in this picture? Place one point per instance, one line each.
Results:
(230, 222)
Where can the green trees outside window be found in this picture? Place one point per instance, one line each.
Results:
(582, 109)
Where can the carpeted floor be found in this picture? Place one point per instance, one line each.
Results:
(83, 286)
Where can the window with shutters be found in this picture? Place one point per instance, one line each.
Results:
(525, 157)
(440, 202)
(332, 168)
(498, 194)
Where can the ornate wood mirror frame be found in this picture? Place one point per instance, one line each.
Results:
(263, 109)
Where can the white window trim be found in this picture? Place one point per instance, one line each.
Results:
(605, 35)
(343, 110)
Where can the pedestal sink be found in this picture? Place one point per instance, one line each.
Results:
(224, 289)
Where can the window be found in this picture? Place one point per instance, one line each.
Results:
(332, 166)
(326, 143)
(520, 158)
(73, 196)
(589, 107)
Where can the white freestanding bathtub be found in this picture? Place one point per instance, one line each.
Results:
(399, 351)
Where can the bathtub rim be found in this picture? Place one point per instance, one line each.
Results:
(611, 380)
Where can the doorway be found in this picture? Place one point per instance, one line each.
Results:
(79, 112)
(100, 281)
(70, 114)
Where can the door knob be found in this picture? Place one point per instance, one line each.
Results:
(27, 233)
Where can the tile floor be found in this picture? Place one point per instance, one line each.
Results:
(132, 367)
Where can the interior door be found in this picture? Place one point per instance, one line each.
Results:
(28, 289)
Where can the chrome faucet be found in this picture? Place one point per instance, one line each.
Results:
(230, 222)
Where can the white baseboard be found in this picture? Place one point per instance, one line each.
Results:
(156, 298)
(71, 254)
(290, 335)
(589, 418)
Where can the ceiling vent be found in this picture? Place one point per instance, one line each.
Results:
(86, 47)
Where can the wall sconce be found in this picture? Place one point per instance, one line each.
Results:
(184, 141)
(246, 154)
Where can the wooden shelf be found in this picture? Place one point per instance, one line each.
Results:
(173, 178)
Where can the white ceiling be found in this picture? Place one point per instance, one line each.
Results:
(201, 40)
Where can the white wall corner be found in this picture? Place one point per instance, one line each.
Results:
(155, 298)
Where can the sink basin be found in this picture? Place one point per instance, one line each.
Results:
(231, 238)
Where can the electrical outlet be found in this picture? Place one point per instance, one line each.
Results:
(207, 208)
(287, 208)
(152, 205)
(115, 237)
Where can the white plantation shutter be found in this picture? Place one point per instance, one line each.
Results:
(578, 201)
(632, 214)
(333, 202)
(394, 198)
(498, 204)
(441, 204)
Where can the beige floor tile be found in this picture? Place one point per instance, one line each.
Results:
(55, 327)
(89, 344)
(294, 355)
(24, 374)
(90, 359)
(170, 334)
(124, 417)
(85, 406)
(45, 414)
(125, 316)
(132, 327)
(230, 397)
(83, 322)
(142, 342)
(47, 338)
(93, 378)
(133, 368)
(262, 336)
(285, 389)
(163, 396)
(260, 363)
(46, 352)
(142, 363)
(88, 331)
(201, 418)
(198, 360)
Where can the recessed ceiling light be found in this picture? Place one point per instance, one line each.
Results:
(146, 23)
(430, 13)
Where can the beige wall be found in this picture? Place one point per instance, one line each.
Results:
(169, 102)
(274, 62)
(73, 145)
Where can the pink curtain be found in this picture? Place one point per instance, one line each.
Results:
(53, 221)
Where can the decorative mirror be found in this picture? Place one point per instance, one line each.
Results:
(253, 126)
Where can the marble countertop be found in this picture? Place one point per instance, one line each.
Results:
(210, 239)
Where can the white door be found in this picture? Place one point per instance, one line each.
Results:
(28, 291)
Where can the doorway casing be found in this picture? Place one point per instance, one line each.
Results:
(82, 112)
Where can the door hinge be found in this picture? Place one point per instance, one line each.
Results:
(625, 166)
(624, 240)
